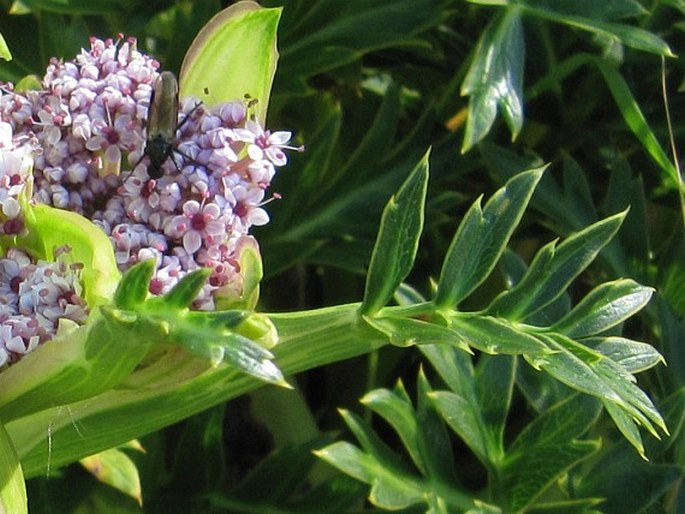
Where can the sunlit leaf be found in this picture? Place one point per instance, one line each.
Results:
(233, 55)
(495, 79)
(603, 308)
(12, 488)
(114, 468)
(554, 268)
(481, 238)
(4, 50)
(398, 240)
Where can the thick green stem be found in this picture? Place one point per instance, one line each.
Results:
(178, 386)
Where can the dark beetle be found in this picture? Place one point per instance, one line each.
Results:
(162, 123)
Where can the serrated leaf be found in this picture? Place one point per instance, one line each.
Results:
(553, 269)
(482, 237)
(12, 487)
(116, 469)
(237, 350)
(576, 371)
(495, 78)
(604, 307)
(460, 406)
(547, 448)
(398, 240)
(349, 459)
(373, 445)
(454, 367)
(233, 55)
(642, 408)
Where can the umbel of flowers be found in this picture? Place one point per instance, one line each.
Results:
(86, 131)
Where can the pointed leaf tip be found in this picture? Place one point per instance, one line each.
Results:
(134, 285)
(398, 239)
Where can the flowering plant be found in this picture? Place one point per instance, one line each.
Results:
(130, 288)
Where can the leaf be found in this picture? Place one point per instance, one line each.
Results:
(495, 78)
(328, 35)
(632, 114)
(607, 10)
(396, 409)
(233, 55)
(546, 449)
(74, 7)
(12, 487)
(134, 286)
(214, 336)
(626, 426)
(592, 373)
(465, 419)
(284, 470)
(481, 238)
(633, 356)
(604, 307)
(455, 369)
(495, 335)
(494, 385)
(434, 441)
(77, 364)
(116, 469)
(633, 37)
(398, 240)
(647, 481)
(405, 332)
(553, 269)
(391, 485)
(4, 50)
(169, 387)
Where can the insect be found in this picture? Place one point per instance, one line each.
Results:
(162, 123)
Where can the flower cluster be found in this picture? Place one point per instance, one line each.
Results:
(34, 295)
(34, 299)
(89, 121)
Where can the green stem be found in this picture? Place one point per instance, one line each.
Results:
(178, 386)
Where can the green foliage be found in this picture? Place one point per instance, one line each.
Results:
(503, 377)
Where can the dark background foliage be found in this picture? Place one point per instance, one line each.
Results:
(367, 86)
